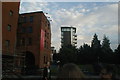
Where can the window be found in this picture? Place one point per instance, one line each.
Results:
(45, 33)
(65, 29)
(23, 29)
(29, 41)
(45, 44)
(18, 42)
(19, 19)
(11, 13)
(62, 37)
(61, 33)
(48, 25)
(30, 30)
(7, 43)
(68, 29)
(19, 25)
(24, 19)
(9, 27)
(31, 18)
(23, 41)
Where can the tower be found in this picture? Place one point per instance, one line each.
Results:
(68, 36)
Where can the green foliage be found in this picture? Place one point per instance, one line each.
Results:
(106, 45)
(85, 54)
(68, 54)
(95, 43)
(117, 51)
(117, 54)
(96, 49)
(107, 53)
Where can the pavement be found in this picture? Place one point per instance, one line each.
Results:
(53, 77)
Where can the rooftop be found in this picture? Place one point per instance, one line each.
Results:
(32, 12)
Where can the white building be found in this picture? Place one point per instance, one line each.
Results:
(68, 36)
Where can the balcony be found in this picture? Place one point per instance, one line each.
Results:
(74, 38)
(61, 41)
(75, 35)
(75, 41)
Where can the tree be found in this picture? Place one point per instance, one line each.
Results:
(106, 45)
(117, 53)
(107, 55)
(96, 48)
(56, 57)
(68, 54)
(84, 55)
(95, 42)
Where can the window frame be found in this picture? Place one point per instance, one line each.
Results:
(9, 27)
(7, 43)
(31, 18)
(11, 13)
(29, 41)
(30, 29)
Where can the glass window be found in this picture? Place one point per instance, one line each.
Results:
(61, 33)
(23, 29)
(23, 41)
(7, 43)
(30, 29)
(11, 13)
(68, 29)
(45, 44)
(18, 42)
(45, 33)
(63, 29)
(24, 19)
(29, 41)
(48, 35)
(9, 27)
(48, 25)
(31, 18)
(61, 36)
(19, 25)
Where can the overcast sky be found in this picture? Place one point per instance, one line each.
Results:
(88, 18)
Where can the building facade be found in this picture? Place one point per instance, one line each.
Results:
(10, 13)
(68, 36)
(34, 38)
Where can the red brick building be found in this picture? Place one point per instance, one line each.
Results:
(34, 38)
(10, 13)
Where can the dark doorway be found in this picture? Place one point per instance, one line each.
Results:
(29, 63)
